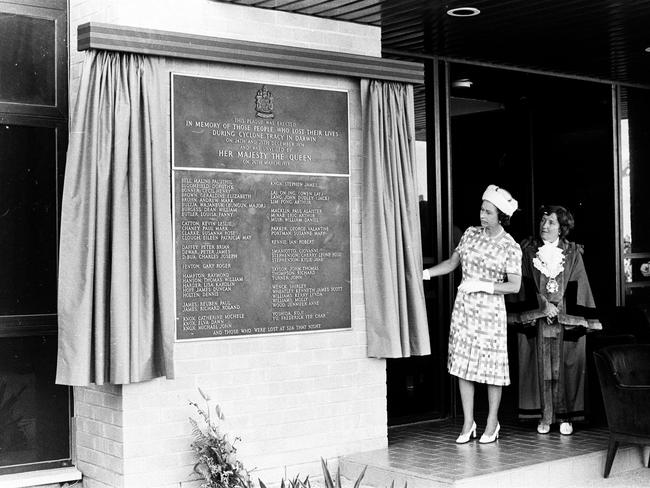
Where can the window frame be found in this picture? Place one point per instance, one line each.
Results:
(52, 116)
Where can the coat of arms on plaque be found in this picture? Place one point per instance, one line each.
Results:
(264, 103)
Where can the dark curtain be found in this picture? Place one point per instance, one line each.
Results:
(115, 303)
(392, 256)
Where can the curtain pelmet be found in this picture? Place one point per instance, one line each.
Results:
(392, 256)
(115, 302)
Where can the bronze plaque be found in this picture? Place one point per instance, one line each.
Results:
(260, 248)
(223, 124)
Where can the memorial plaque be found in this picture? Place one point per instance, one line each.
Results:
(259, 251)
(232, 125)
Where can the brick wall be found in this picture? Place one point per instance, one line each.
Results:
(211, 18)
(291, 399)
(98, 435)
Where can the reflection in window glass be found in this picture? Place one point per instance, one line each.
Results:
(636, 110)
(421, 170)
(28, 219)
(34, 412)
(625, 198)
(27, 66)
(635, 197)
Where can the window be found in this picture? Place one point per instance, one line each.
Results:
(634, 126)
(34, 412)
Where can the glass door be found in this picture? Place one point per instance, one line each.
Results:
(548, 140)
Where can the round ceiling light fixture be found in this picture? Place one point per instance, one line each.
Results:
(463, 12)
(647, 49)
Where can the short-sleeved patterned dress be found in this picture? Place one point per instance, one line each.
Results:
(477, 336)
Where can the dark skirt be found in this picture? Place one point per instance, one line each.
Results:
(552, 363)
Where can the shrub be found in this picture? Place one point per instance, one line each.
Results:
(294, 483)
(336, 482)
(216, 455)
(217, 461)
(329, 480)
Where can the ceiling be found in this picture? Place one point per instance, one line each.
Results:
(601, 39)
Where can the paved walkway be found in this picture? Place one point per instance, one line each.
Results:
(426, 455)
(638, 478)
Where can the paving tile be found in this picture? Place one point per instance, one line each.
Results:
(428, 450)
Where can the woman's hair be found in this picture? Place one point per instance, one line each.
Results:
(564, 217)
(504, 218)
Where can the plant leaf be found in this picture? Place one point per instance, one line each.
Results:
(262, 485)
(202, 469)
(296, 483)
(358, 482)
(338, 476)
(326, 475)
(205, 396)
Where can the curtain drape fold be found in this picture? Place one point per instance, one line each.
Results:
(115, 303)
(392, 251)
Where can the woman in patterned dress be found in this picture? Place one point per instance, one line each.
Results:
(490, 260)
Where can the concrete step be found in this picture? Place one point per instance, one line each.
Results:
(567, 472)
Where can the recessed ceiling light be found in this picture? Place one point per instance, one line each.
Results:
(647, 49)
(463, 12)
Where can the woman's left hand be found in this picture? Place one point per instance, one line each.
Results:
(551, 310)
(473, 286)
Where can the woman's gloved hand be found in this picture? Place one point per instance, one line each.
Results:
(550, 309)
(426, 275)
(473, 286)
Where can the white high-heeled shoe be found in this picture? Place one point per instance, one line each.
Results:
(566, 428)
(486, 439)
(543, 428)
(465, 438)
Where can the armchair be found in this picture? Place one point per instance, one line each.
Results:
(624, 375)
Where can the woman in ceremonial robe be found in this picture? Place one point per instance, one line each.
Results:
(556, 310)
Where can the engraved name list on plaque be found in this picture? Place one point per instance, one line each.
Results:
(261, 208)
